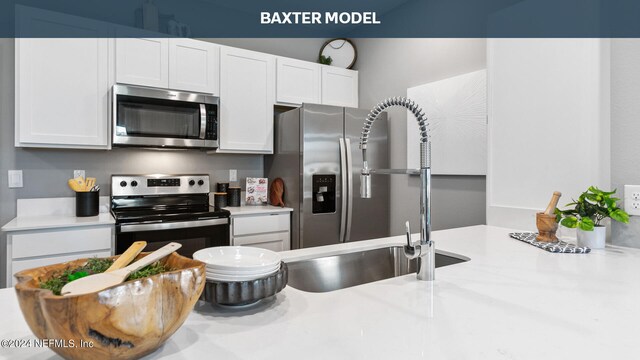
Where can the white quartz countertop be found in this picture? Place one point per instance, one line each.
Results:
(510, 301)
(256, 210)
(21, 223)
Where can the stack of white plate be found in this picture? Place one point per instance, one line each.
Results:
(238, 263)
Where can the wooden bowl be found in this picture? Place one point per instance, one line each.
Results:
(126, 321)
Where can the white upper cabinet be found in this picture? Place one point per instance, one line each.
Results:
(339, 86)
(297, 81)
(194, 66)
(177, 64)
(247, 96)
(142, 61)
(61, 84)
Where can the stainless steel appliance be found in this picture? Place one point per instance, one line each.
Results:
(163, 118)
(316, 154)
(160, 209)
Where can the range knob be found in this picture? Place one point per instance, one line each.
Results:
(134, 183)
(192, 182)
(123, 183)
(200, 182)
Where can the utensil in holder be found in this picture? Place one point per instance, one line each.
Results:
(233, 195)
(87, 203)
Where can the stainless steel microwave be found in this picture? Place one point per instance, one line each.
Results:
(164, 118)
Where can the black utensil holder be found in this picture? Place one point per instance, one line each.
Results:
(87, 203)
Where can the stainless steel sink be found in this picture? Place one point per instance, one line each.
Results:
(331, 273)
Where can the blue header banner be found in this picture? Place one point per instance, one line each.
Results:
(327, 18)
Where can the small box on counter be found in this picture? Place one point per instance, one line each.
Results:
(257, 189)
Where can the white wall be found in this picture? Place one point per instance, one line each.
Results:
(625, 130)
(548, 124)
(387, 67)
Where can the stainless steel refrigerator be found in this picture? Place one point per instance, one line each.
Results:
(316, 153)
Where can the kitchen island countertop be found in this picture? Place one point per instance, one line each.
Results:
(510, 301)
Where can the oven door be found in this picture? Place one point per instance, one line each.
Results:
(193, 235)
(161, 118)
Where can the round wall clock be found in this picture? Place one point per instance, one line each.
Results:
(342, 52)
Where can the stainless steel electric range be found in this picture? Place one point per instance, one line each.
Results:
(160, 209)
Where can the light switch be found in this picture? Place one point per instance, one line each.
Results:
(233, 175)
(15, 179)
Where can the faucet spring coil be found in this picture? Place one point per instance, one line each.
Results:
(395, 101)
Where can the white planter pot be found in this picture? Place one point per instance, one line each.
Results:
(594, 239)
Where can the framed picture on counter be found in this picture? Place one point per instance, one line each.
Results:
(256, 193)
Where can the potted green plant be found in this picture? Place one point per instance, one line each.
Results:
(587, 214)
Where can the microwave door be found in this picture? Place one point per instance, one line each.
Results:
(155, 122)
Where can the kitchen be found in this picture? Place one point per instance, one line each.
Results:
(386, 68)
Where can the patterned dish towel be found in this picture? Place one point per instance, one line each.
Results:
(556, 247)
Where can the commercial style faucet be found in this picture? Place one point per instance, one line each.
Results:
(424, 251)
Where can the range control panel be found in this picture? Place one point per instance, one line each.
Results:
(163, 182)
(133, 185)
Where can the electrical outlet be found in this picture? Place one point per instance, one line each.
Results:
(632, 199)
(15, 179)
(77, 173)
(233, 175)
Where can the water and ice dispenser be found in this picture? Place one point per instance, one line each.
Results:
(324, 193)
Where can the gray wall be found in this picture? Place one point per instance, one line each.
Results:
(625, 125)
(387, 67)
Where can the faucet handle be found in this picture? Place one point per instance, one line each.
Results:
(411, 251)
(408, 232)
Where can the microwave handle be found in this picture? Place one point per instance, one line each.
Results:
(203, 120)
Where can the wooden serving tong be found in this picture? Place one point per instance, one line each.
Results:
(101, 281)
(127, 256)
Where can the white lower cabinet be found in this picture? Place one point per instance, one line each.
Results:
(266, 231)
(35, 248)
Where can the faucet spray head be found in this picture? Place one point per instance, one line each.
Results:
(365, 185)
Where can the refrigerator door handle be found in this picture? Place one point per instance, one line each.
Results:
(349, 190)
(343, 189)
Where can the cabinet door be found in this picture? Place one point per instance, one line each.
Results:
(274, 241)
(297, 81)
(339, 86)
(194, 66)
(61, 84)
(247, 96)
(142, 61)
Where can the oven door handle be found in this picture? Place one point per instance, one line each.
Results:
(172, 225)
(203, 121)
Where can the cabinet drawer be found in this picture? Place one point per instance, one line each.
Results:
(19, 265)
(274, 241)
(60, 242)
(260, 224)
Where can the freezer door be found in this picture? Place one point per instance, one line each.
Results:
(367, 218)
(321, 131)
